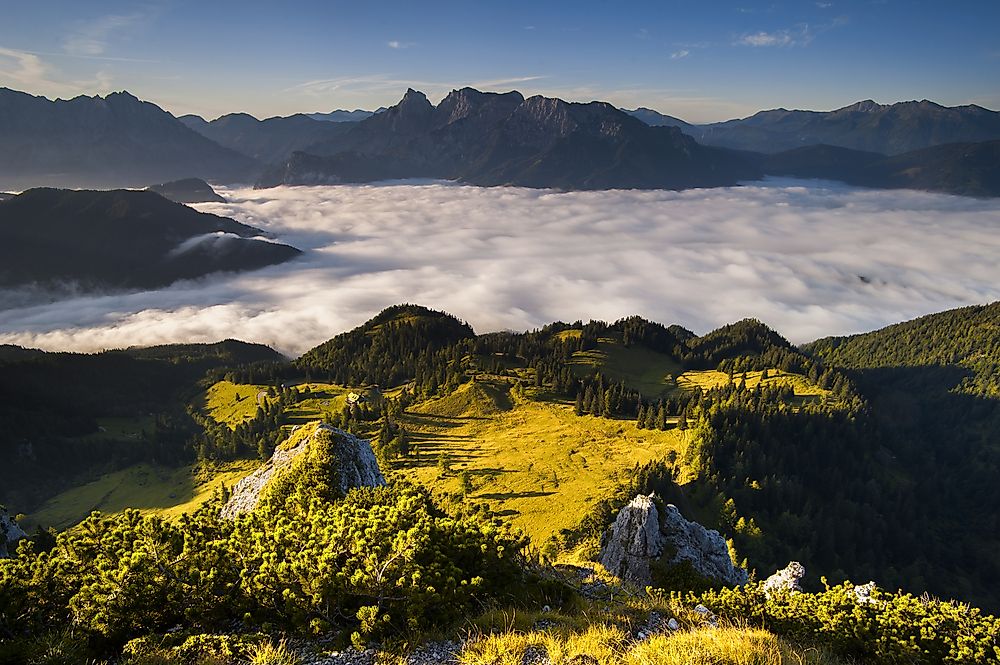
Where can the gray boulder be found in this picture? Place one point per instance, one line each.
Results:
(354, 465)
(640, 537)
(635, 541)
(785, 580)
(10, 533)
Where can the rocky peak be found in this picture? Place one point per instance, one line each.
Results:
(352, 464)
(865, 106)
(411, 115)
(489, 107)
(642, 540)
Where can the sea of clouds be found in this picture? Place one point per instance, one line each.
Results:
(809, 259)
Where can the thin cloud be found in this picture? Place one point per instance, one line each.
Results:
(396, 44)
(29, 71)
(91, 38)
(799, 36)
(25, 69)
(680, 55)
(809, 259)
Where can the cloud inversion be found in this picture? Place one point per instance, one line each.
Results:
(807, 259)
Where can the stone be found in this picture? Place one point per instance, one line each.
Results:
(354, 465)
(673, 624)
(863, 593)
(640, 537)
(635, 541)
(785, 580)
(705, 549)
(10, 533)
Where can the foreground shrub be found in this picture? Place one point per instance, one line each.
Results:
(891, 628)
(380, 562)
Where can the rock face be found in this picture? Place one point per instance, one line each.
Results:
(706, 549)
(635, 541)
(354, 465)
(641, 537)
(10, 533)
(785, 580)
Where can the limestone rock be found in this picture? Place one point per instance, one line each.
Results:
(863, 593)
(354, 465)
(706, 549)
(10, 533)
(640, 537)
(785, 580)
(635, 542)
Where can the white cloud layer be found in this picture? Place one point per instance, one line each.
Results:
(807, 259)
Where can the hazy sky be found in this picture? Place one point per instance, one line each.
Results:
(700, 61)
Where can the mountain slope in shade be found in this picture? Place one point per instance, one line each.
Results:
(188, 190)
(505, 139)
(890, 129)
(113, 141)
(269, 140)
(657, 119)
(969, 169)
(121, 239)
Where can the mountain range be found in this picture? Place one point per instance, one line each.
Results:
(889, 129)
(505, 139)
(60, 240)
(113, 141)
(491, 139)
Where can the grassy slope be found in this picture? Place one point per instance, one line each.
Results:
(152, 489)
(534, 461)
(649, 372)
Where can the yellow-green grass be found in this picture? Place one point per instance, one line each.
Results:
(649, 372)
(604, 644)
(710, 378)
(535, 462)
(164, 491)
(232, 403)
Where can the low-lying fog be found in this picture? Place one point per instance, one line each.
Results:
(809, 259)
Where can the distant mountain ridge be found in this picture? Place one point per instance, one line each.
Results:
(109, 141)
(341, 115)
(504, 139)
(889, 129)
(269, 140)
(490, 139)
(968, 169)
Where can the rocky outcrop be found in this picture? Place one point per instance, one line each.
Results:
(635, 541)
(352, 464)
(705, 549)
(10, 533)
(786, 580)
(641, 540)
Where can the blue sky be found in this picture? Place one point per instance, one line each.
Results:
(700, 61)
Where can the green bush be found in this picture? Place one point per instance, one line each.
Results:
(891, 628)
(379, 562)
